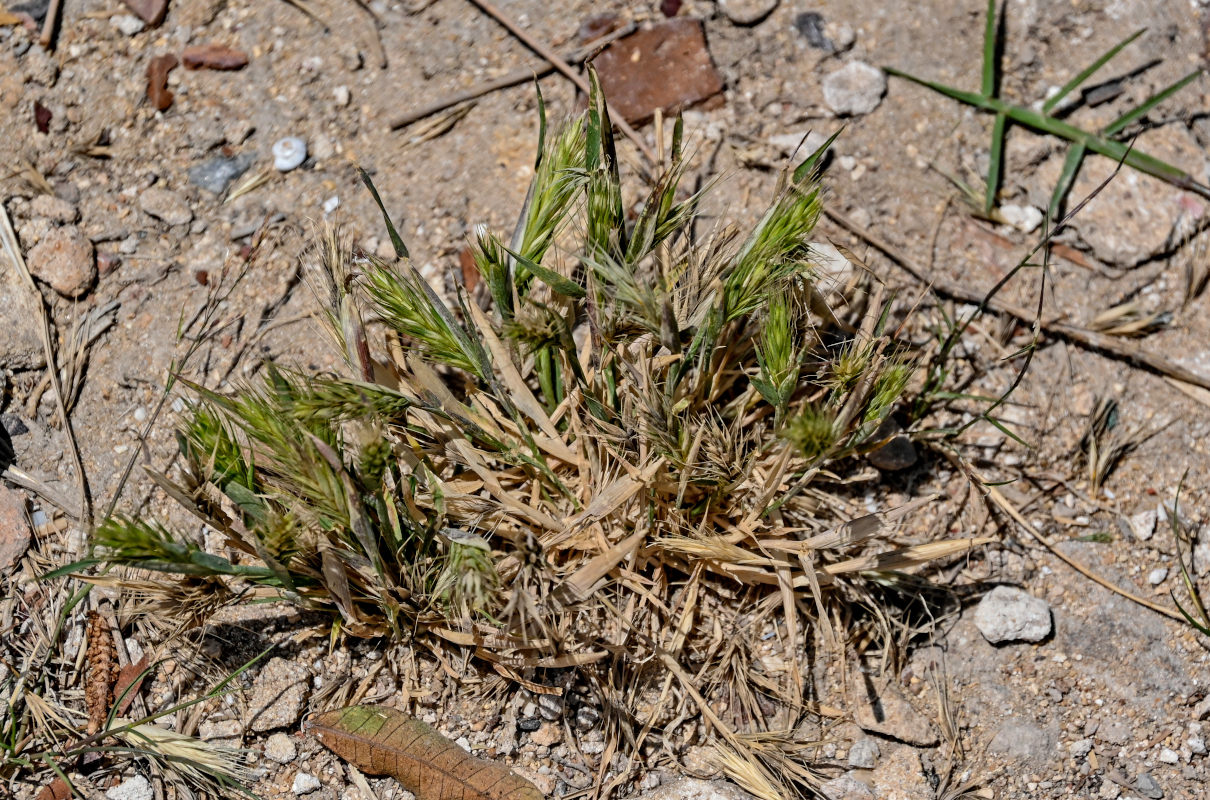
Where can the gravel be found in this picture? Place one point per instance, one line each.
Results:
(304, 783)
(1007, 614)
(280, 748)
(864, 753)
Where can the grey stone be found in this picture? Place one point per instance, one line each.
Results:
(747, 12)
(1080, 748)
(854, 89)
(1007, 614)
(811, 25)
(279, 694)
(695, 789)
(66, 260)
(864, 753)
(1147, 785)
(305, 783)
(133, 788)
(216, 174)
(846, 787)
(280, 748)
(166, 205)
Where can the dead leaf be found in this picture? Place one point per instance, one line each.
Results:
(57, 789)
(125, 690)
(383, 741)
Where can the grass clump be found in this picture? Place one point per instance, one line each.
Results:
(594, 458)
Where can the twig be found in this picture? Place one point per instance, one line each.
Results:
(1083, 337)
(50, 23)
(511, 79)
(562, 66)
(14, 253)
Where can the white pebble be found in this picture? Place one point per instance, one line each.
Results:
(1169, 756)
(304, 783)
(288, 153)
(342, 96)
(140, 414)
(1157, 576)
(331, 204)
(136, 788)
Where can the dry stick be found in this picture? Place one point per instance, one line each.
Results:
(14, 253)
(1081, 336)
(565, 68)
(511, 79)
(50, 23)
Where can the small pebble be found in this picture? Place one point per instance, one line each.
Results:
(1007, 614)
(1024, 218)
(1147, 785)
(864, 753)
(213, 56)
(1170, 756)
(331, 204)
(127, 24)
(216, 174)
(54, 209)
(133, 788)
(66, 260)
(1196, 745)
(304, 783)
(280, 748)
(288, 153)
(1081, 748)
(1143, 523)
(1157, 576)
(811, 25)
(747, 12)
(854, 89)
(342, 95)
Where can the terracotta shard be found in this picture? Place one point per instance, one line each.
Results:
(666, 66)
(383, 741)
(157, 80)
(150, 11)
(213, 56)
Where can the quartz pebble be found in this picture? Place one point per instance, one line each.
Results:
(288, 153)
(1007, 614)
(304, 783)
(133, 788)
(1157, 576)
(127, 24)
(1169, 756)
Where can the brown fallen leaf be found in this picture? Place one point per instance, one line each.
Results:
(383, 741)
(57, 789)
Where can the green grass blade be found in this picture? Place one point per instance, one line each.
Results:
(1087, 73)
(995, 162)
(401, 250)
(988, 86)
(1075, 157)
(561, 284)
(1121, 122)
(812, 161)
(1045, 123)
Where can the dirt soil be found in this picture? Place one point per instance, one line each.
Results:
(1112, 703)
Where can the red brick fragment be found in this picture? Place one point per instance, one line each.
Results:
(213, 56)
(666, 66)
(157, 80)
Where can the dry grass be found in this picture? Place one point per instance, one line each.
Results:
(608, 457)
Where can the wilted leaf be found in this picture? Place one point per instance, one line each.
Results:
(57, 789)
(383, 741)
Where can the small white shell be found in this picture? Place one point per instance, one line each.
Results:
(288, 153)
